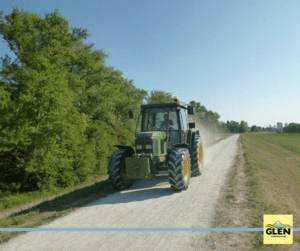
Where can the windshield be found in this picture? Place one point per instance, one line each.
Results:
(156, 120)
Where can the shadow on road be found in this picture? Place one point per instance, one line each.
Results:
(96, 194)
(140, 190)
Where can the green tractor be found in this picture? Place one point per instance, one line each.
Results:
(167, 142)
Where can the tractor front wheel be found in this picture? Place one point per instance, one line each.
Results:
(179, 168)
(117, 171)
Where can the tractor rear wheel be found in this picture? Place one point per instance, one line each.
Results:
(197, 156)
(179, 168)
(117, 171)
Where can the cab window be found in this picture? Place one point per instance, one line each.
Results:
(183, 119)
(156, 120)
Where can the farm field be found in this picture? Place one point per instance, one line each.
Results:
(273, 170)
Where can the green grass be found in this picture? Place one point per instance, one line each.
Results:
(8, 201)
(288, 141)
(273, 168)
(13, 200)
(47, 211)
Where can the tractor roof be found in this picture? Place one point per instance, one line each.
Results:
(163, 105)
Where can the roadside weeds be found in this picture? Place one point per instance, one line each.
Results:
(50, 210)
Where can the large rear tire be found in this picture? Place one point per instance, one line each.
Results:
(179, 169)
(197, 156)
(117, 171)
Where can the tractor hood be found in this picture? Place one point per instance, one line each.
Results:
(151, 142)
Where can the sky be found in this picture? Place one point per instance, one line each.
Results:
(240, 59)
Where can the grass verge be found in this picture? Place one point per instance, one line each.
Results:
(273, 170)
(8, 201)
(48, 211)
(232, 210)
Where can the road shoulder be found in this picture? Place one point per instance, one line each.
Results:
(233, 210)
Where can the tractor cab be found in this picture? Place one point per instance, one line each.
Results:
(169, 118)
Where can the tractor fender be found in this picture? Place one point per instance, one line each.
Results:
(128, 148)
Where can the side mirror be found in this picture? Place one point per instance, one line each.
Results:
(192, 125)
(130, 114)
(191, 110)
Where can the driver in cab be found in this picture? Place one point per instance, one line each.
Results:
(164, 123)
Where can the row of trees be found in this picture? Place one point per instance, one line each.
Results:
(62, 109)
(236, 127)
(292, 128)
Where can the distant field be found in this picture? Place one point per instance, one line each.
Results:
(273, 166)
(290, 142)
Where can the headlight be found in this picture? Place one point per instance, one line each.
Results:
(148, 147)
(139, 147)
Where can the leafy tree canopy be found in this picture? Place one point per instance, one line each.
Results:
(159, 97)
(62, 109)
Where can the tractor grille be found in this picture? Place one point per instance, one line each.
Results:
(144, 146)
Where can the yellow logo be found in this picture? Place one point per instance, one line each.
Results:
(278, 229)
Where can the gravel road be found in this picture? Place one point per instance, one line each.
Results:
(147, 204)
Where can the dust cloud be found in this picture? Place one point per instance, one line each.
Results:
(209, 134)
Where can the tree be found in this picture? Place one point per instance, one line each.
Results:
(200, 110)
(208, 118)
(243, 127)
(223, 127)
(62, 109)
(233, 126)
(292, 128)
(254, 128)
(43, 138)
(159, 97)
(211, 118)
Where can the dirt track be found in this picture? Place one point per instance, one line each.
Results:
(147, 204)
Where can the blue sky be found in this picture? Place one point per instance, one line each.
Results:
(238, 58)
